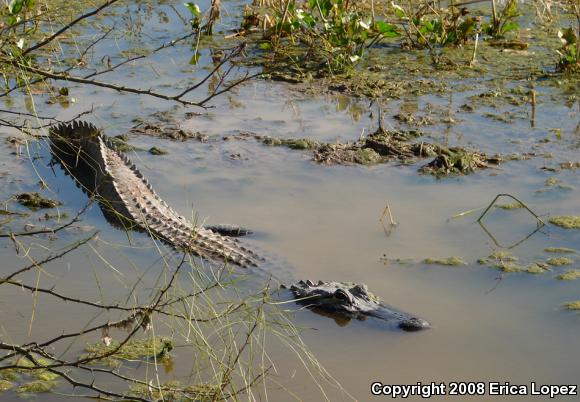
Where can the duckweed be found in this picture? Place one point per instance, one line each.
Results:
(515, 205)
(573, 305)
(570, 275)
(560, 250)
(35, 201)
(558, 261)
(454, 261)
(37, 386)
(138, 349)
(157, 151)
(176, 392)
(566, 221)
(5, 385)
(502, 256)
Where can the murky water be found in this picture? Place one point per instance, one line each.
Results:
(322, 222)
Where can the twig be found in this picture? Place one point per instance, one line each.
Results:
(514, 198)
(67, 27)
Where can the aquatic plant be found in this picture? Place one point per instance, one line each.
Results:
(566, 221)
(569, 53)
(504, 21)
(330, 34)
(425, 26)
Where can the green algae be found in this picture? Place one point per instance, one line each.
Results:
(569, 275)
(559, 261)
(502, 256)
(37, 386)
(366, 156)
(552, 181)
(292, 143)
(5, 385)
(535, 268)
(509, 267)
(512, 267)
(451, 261)
(497, 256)
(515, 205)
(157, 151)
(120, 144)
(174, 391)
(572, 305)
(138, 349)
(560, 250)
(566, 221)
(35, 201)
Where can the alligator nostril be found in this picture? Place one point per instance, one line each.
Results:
(414, 324)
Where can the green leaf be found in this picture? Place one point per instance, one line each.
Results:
(386, 29)
(569, 36)
(195, 58)
(15, 6)
(509, 26)
(193, 8)
(399, 12)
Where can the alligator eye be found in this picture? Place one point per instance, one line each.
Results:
(341, 295)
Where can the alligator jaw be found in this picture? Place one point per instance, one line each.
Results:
(404, 321)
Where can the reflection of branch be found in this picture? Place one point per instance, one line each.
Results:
(25, 129)
(50, 231)
(492, 237)
(64, 76)
(36, 264)
(142, 56)
(67, 27)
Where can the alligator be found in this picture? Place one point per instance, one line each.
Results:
(128, 201)
(346, 301)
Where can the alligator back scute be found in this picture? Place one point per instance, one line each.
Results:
(100, 169)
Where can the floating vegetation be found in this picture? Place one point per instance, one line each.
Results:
(552, 181)
(566, 221)
(536, 268)
(167, 130)
(136, 349)
(509, 267)
(572, 305)
(298, 144)
(174, 391)
(560, 250)
(569, 275)
(501, 256)
(5, 385)
(515, 205)
(37, 386)
(453, 261)
(35, 201)
(559, 261)
(120, 143)
(157, 151)
(34, 380)
(507, 262)
(383, 146)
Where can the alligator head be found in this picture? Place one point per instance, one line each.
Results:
(346, 301)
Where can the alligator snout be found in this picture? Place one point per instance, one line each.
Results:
(414, 324)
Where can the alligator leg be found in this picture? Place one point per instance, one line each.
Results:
(229, 230)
